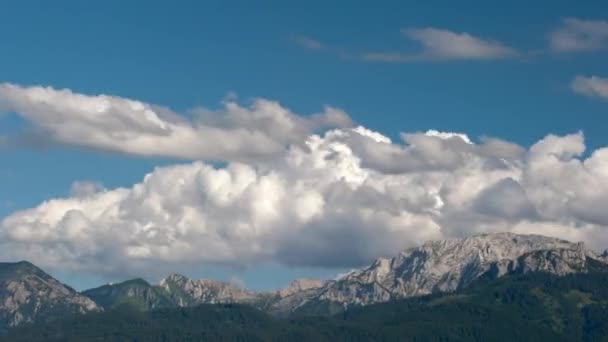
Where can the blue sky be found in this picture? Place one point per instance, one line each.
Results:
(183, 54)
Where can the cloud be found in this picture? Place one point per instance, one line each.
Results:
(440, 45)
(85, 188)
(307, 42)
(128, 126)
(580, 35)
(592, 86)
(337, 199)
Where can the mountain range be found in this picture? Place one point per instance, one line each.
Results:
(534, 306)
(27, 294)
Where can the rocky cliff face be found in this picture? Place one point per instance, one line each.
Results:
(448, 265)
(28, 294)
(187, 292)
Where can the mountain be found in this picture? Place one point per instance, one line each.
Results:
(532, 306)
(188, 292)
(517, 307)
(137, 293)
(436, 266)
(28, 294)
(446, 266)
(180, 291)
(173, 291)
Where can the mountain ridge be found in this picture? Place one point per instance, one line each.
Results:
(434, 267)
(517, 307)
(448, 265)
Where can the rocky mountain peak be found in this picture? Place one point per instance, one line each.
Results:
(186, 292)
(27, 293)
(448, 265)
(12, 269)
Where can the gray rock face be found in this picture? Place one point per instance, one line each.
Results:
(28, 294)
(557, 261)
(448, 265)
(187, 292)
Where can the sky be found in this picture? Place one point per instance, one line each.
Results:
(258, 142)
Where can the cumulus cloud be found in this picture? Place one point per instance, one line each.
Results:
(338, 199)
(128, 126)
(438, 44)
(592, 86)
(580, 35)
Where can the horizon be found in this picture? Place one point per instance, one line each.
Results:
(258, 144)
(336, 277)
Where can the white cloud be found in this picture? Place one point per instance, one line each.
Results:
(592, 86)
(580, 35)
(439, 44)
(337, 199)
(448, 135)
(128, 126)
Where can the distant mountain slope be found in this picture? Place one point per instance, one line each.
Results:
(567, 308)
(180, 291)
(173, 291)
(525, 307)
(137, 293)
(184, 291)
(449, 265)
(28, 294)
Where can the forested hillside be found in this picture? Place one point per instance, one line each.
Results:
(531, 307)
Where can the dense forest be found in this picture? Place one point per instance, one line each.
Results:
(531, 307)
